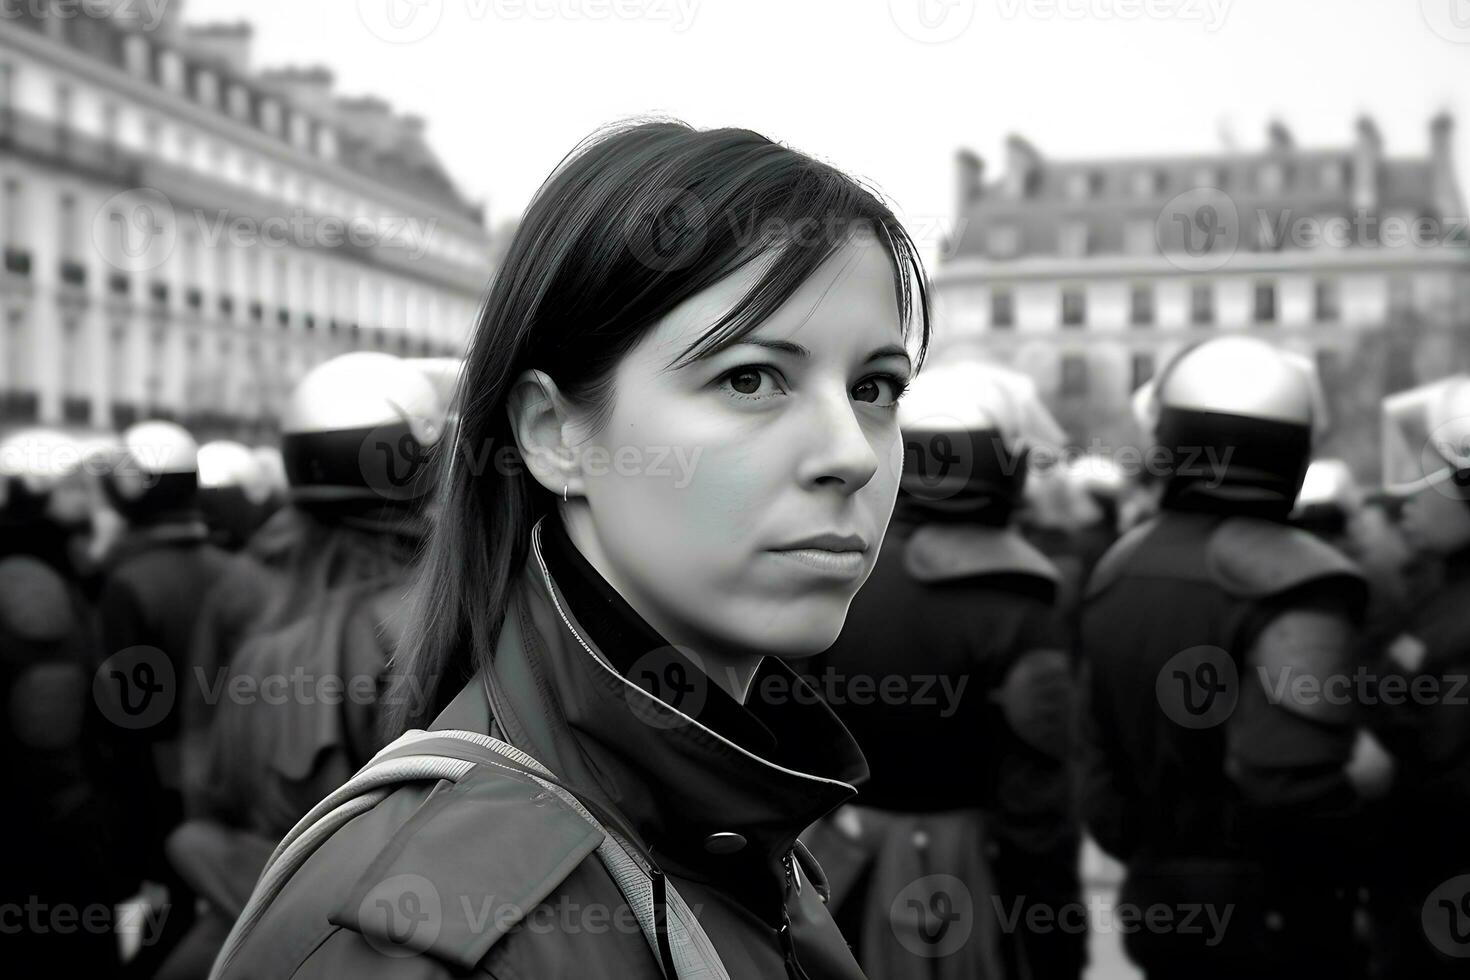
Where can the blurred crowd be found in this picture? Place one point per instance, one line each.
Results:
(194, 640)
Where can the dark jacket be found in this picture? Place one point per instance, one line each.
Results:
(1201, 767)
(954, 675)
(155, 582)
(501, 882)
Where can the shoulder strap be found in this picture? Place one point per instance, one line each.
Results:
(449, 754)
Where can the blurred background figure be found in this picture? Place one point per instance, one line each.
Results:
(360, 436)
(237, 491)
(56, 823)
(1195, 771)
(1426, 445)
(969, 780)
(154, 580)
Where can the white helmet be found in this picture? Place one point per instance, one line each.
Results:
(1426, 438)
(1233, 420)
(968, 428)
(360, 426)
(155, 472)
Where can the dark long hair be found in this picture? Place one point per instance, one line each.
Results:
(637, 219)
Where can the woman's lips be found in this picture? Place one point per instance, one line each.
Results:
(836, 564)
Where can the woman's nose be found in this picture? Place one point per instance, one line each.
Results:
(841, 452)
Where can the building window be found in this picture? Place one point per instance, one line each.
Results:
(1328, 301)
(1074, 307)
(1143, 369)
(1141, 306)
(1002, 309)
(1265, 302)
(1201, 304)
(1074, 376)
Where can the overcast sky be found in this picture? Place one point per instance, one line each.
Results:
(886, 89)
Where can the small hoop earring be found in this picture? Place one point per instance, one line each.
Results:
(564, 493)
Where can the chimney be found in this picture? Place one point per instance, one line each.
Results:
(1367, 164)
(369, 117)
(227, 45)
(1442, 164)
(1278, 137)
(969, 173)
(1023, 167)
(305, 88)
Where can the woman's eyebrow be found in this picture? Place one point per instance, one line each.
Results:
(789, 347)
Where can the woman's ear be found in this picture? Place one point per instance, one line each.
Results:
(537, 417)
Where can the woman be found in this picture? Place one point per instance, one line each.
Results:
(677, 455)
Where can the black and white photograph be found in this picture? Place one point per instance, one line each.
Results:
(735, 489)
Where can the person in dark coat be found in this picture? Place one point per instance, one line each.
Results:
(677, 453)
(1422, 707)
(56, 885)
(301, 716)
(1221, 761)
(155, 579)
(954, 657)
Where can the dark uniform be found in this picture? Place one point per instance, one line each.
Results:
(154, 581)
(965, 616)
(1191, 775)
(1215, 732)
(56, 888)
(1429, 877)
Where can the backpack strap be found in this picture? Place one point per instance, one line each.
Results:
(669, 925)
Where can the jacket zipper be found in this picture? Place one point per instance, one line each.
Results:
(794, 970)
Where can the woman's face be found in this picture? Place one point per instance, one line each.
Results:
(738, 501)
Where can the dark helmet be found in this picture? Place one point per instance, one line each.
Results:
(155, 475)
(1233, 420)
(359, 428)
(968, 428)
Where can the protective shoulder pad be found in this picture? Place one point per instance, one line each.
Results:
(944, 552)
(1110, 566)
(474, 861)
(33, 600)
(1257, 559)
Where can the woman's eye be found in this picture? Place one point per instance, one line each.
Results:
(752, 382)
(883, 390)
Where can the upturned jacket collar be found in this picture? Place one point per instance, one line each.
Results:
(705, 806)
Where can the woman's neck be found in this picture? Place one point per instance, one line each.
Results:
(732, 671)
